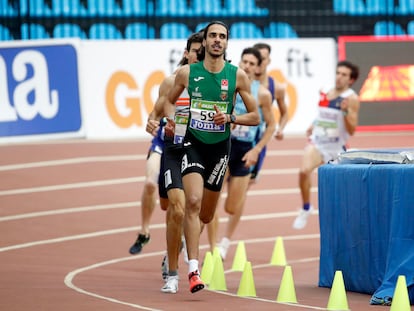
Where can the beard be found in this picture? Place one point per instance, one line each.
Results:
(215, 55)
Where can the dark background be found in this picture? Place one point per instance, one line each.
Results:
(307, 18)
(368, 53)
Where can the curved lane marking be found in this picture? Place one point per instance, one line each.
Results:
(69, 278)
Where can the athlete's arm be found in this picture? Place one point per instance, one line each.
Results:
(180, 83)
(350, 107)
(280, 93)
(243, 88)
(265, 103)
(158, 111)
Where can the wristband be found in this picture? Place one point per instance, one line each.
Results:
(163, 121)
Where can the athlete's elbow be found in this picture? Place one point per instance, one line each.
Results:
(256, 119)
(271, 127)
(351, 130)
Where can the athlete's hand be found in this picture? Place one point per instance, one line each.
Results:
(152, 127)
(220, 117)
(344, 105)
(279, 134)
(170, 128)
(309, 131)
(250, 157)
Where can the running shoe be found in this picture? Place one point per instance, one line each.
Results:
(386, 301)
(164, 268)
(171, 286)
(196, 283)
(139, 243)
(302, 219)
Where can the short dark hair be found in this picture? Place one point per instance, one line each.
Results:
(262, 45)
(254, 51)
(216, 23)
(196, 37)
(354, 68)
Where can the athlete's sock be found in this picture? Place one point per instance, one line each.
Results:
(192, 265)
(306, 206)
(173, 273)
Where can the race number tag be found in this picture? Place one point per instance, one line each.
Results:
(202, 114)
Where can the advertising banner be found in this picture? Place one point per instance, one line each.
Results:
(386, 81)
(39, 93)
(120, 79)
(304, 67)
(105, 89)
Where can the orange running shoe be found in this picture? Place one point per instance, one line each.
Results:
(196, 283)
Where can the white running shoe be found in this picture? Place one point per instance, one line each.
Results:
(302, 219)
(224, 247)
(171, 286)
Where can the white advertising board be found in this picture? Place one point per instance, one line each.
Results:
(120, 82)
(120, 79)
(304, 66)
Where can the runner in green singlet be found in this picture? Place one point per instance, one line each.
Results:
(212, 85)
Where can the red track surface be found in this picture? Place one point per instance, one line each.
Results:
(69, 211)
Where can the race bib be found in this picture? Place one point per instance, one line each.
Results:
(180, 128)
(241, 132)
(202, 114)
(326, 132)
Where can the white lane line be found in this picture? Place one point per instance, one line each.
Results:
(136, 203)
(68, 280)
(135, 228)
(100, 183)
(285, 152)
(71, 161)
(139, 157)
(71, 210)
(73, 237)
(97, 183)
(71, 275)
(79, 141)
(291, 262)
(280, 171)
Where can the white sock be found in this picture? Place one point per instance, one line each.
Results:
(224, 246)
(225, 243)
(192, 265)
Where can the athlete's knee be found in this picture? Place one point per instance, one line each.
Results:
(164, 203)
(304, 174)
(176, 212)
(193, 202)
(150, 186)
(229, 210)
(206, 218)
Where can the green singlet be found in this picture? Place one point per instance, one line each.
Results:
(207, 89)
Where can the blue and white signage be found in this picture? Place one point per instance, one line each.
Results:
(39, 90)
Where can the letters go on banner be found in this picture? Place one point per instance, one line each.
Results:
(122, 78)
(106, 89)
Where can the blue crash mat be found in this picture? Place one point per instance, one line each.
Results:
(366, 216)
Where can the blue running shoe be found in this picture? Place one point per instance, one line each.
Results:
(139, 243)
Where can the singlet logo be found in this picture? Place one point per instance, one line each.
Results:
(218, 171)
(224, 85)
(196, 92)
